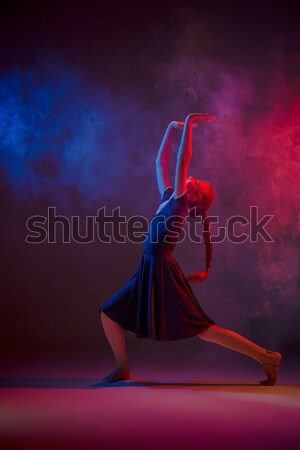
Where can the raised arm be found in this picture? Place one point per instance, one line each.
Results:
(163, 156)
(185, 150)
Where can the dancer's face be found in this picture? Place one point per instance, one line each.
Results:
(191, 185)
(199, 193)
(191, 181)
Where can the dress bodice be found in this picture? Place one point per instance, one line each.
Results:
(165, 226)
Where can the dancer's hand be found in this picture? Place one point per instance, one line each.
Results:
(180, 125)
(199, 117)
(198, 277)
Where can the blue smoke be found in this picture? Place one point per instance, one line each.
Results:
(52, 131)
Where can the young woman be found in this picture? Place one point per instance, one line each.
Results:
(158, 302)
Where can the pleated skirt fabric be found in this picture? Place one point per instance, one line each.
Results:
(158, 302)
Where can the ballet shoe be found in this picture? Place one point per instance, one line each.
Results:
(118, 374)
(271, 368)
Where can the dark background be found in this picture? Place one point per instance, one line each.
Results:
(87, 89)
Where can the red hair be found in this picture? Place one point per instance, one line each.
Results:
(200, 197)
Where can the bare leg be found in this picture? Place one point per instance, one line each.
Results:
(227, 338)
(116, 339)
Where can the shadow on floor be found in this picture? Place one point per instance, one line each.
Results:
(92, 383)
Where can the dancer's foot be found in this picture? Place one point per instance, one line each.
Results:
(120, 373)
(271, 364)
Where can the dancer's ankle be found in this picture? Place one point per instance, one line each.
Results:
(268, 357)
(265, 357)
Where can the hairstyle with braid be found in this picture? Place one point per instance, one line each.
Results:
(202, 197)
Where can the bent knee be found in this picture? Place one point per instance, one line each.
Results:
(105, 317)
(102, 314)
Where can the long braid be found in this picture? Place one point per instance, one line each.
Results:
(207, 240)
(196, 209)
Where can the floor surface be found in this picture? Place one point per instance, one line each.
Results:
(67, 407)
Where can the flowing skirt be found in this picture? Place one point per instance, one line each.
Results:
(158, 302)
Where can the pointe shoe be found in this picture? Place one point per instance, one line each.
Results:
(118, 374)
(271, 367)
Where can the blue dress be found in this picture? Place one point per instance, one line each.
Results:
(158, 302)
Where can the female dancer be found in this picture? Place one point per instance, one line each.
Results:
(158, 302)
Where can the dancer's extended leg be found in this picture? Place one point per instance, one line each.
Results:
(116, 339)
(227, 338)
